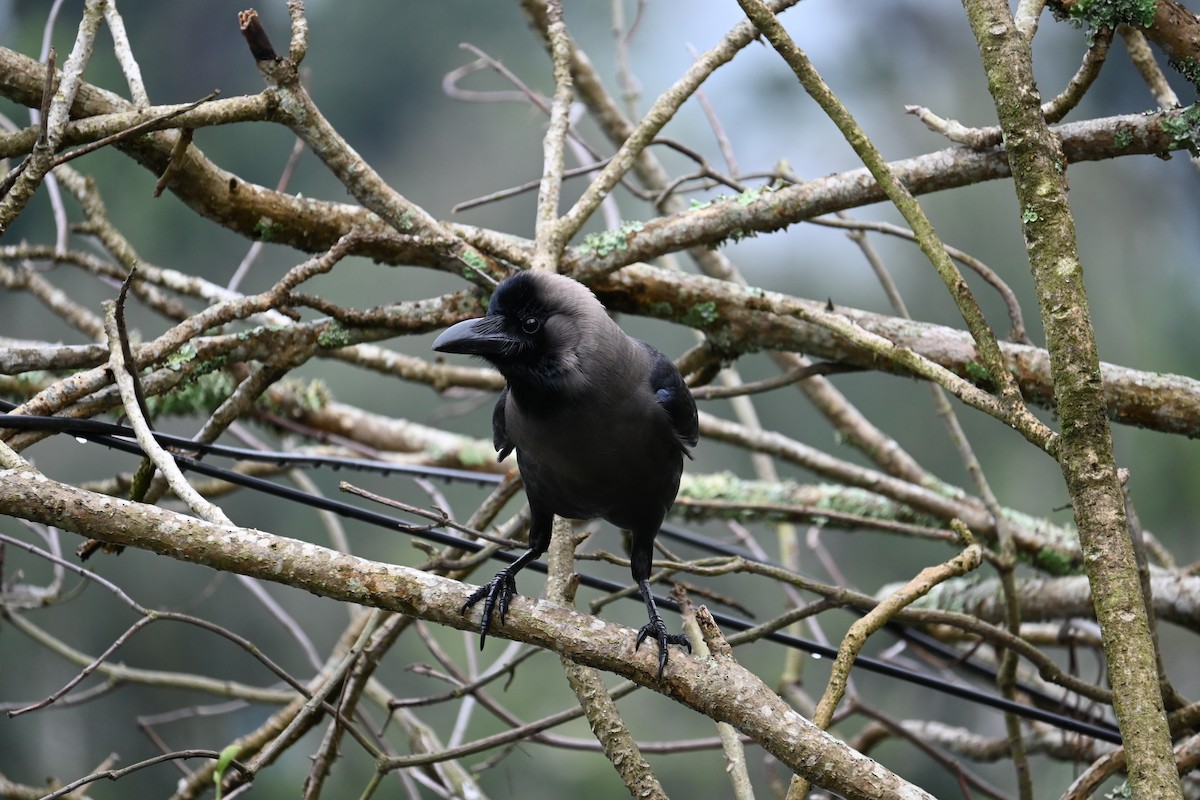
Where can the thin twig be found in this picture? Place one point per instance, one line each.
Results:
(550, 237)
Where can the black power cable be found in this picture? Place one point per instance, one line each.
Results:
(121, 438)
(897, 629)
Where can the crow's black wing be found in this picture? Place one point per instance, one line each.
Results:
(675, 398)
(500, 439)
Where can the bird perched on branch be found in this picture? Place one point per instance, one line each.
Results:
(600, 423)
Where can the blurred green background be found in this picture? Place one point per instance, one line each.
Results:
(376, 70)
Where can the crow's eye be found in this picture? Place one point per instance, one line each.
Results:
(531, 324)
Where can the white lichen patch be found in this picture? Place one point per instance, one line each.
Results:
(428, 581)
(1066, 267)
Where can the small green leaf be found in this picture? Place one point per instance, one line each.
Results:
(223, 761)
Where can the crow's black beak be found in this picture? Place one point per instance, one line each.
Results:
(484, 336)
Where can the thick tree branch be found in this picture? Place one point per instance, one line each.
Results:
(1171, 26)
(706, 686)
(1085, 451)
(731, 315)
(313, 225)
(1155, 401)
(1176, 598)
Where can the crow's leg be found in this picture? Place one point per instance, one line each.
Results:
(658, 629)
(498, 592)
(641, 551)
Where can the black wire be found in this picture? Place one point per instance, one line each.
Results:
(898, 629)
(119, 438)
(83, 427)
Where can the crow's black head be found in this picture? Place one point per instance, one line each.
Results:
(540, 331)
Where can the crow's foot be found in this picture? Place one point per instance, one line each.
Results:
(658, 630)
(499, 589)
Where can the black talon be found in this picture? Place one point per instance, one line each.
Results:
(655, 626)
(502, 588)
(659, 629)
